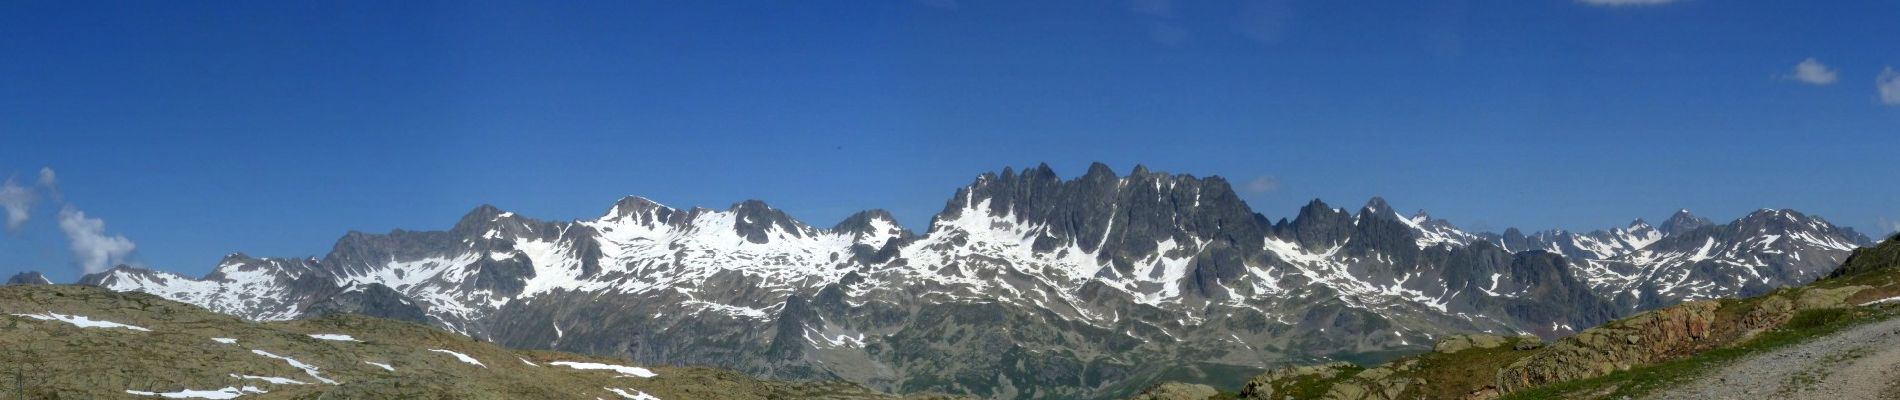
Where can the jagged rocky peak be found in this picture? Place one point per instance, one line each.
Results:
(122, 271)
(1101, 209)
(1377, 207)
(1802, 226)
(240, 263)
(644, 211)
(481, 216)
(29, 278)
(873, 222)
(1682, 222)
(1317, 226)
(757, 222)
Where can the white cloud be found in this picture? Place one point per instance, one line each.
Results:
(1263, 184)
(1812, 72)
(92, 248)
(18, 202)
(1618, 3)
(1889, 85)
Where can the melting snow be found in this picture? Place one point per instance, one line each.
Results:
(271, 379)
(459, 356)
(634, 371)
(636, 395)
(335, 337)
(224, 340)
(225, 393)
(525, 361)
(307, 368)
(1885, 300)
(81, 321)
(382, 365)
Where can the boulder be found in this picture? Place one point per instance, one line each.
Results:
(1528, 342)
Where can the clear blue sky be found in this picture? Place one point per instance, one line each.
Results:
(195, 129)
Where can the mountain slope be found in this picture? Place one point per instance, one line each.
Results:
(1025, 285)
(1780, 341)
(79, 342)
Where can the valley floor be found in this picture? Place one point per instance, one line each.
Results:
(1861, 362)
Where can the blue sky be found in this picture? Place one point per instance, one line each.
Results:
(195, 129)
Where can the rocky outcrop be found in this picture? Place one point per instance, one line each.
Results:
(1266, 386)
(1666, 334)
(1456, 343)
(1176, 391)
(1643, 339)
(1382, 383)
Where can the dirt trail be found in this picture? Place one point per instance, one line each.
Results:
(1862, 362)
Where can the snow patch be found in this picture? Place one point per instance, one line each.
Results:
(634, 371)
(636, 395)
(334, 337)
(225, 393)
(81, 321)
(459, 356)
(307, 368)
(270, 379)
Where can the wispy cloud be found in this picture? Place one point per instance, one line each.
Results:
(50, 181)
(93, 249)
(1813, 72)
(1263, 184)
(1889, 85)
(18, 202)
(1619, 3)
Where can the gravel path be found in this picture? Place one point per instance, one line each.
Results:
(1862, 362)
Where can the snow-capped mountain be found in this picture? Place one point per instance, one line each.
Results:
(1764, 250)
(1688, 258)
(1025, 285)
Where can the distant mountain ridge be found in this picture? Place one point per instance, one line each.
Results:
(1025, 285)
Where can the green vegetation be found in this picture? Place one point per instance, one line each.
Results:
(1454, 375)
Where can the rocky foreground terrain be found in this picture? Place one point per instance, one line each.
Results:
(76, 342)
(1832, 339)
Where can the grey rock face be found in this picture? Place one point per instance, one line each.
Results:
(1026, 285)
(373, 300)
(1683, 222)
(29, 278)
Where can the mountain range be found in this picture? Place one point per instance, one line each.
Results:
(1025, 285)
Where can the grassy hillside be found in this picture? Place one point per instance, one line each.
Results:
(73, 342)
